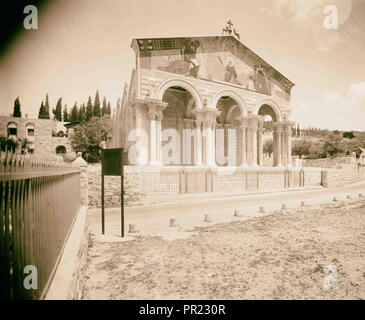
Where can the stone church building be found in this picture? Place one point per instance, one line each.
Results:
(196, 109)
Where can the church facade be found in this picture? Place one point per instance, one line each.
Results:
(197, 107)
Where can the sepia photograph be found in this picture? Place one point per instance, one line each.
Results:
(179, 155)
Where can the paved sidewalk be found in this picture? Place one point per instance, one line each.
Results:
(190, 213)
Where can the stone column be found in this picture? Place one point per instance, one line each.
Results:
(260, 144)
(138, 109)
(187, 142)
(277, 143)
(198, 144)
(213, 163)
(244, 145)
(153, 136)
(155, 108)
(249, 145)
(159, 138)
(288, 131)
(283, 147)
(209, 115)
(254, 143)
(180, 127)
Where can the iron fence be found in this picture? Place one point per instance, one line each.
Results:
(38, 203)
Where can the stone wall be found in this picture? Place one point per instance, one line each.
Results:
(330, 163)
(338, 171)
(43, 143)
(145, 184)
(112, 190)
(339, 177)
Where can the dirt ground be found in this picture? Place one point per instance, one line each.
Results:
(283, 255)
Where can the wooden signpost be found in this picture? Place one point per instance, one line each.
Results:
(112, 165)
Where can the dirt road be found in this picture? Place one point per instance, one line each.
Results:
(283, 255)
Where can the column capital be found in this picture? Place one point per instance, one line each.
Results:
(243, 121)
(277, 126)
(154, 108)
(198, 122)
(208, 124)
(211, 114)
(287, 126)
(189, 123)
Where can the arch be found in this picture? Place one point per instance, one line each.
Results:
(270, 103)
(30, 129)
(231, 110)
(12, 129)
(233, 96)
(183, 84)
(60, 149)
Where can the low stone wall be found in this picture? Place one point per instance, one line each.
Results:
(112, 190)
(344, 175)
(337, 171)
(165, 183)
(329, 163)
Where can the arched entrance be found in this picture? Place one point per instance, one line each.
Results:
(278, 132)
(228, 146)
(177, 116)
(60, 150)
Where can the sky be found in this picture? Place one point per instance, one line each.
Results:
(84, 45)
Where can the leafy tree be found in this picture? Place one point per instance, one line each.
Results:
(57, 112)
(16, 112)
(109, 109)
(8, 144)
(301, 148)
(89, 110)
(88, 136)
(332, 146)
(65, 114)
(74, 113)
(349, 135)
(268, 147)
(97, 112)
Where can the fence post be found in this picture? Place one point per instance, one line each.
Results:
(84, 184)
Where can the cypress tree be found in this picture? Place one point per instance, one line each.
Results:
(109, 109)
(104, 108)
(16, 112)
(46, 109)
(65, 114)
(74, 113)
(57, 112)
(89, 110)
(97, 112)
(82, 112)
(41, 111)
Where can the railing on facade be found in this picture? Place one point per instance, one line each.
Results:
(38, 204)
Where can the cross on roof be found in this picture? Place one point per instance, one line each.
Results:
(228, 30)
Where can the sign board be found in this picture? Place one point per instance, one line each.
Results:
(112, 165)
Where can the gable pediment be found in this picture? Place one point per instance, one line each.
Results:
(217, 58)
